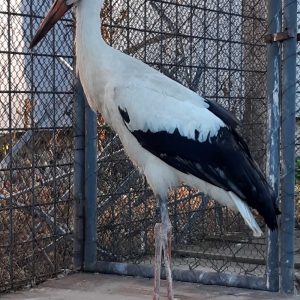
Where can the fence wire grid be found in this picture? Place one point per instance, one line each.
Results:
(36, 152)
(215, 48)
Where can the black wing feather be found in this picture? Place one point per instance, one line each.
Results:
(223, 160)
(226, 116)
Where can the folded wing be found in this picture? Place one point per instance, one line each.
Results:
(200, 140)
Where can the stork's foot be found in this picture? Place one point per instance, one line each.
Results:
(162, 234)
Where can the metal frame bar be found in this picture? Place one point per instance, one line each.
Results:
(273, 151)
(195, 276)
(288, 151)
(78, 188)
(11, 235)
(90, 203)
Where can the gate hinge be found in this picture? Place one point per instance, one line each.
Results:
(278, 37)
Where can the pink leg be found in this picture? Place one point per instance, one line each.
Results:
(162, 233)
(167, 259)
(157, 261)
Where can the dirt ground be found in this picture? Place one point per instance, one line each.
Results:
(111, 287)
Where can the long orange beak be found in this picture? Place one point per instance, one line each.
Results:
(56, 12)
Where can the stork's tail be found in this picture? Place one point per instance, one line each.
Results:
(252, 187)
(246, 213)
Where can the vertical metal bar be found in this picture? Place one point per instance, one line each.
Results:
(10, 112)
(273, 142)
(33, 215)
(288, 152)
(78, 189)
(176, 62)
(205, 23)
(145, 31)
(110, 28)
(90, 247)
(54, 166)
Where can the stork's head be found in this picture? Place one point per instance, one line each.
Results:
(56, 12)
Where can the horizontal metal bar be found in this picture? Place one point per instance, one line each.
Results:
(37, 130)
(36, 92)
(36, 54)
(229, 13)
(38, 205)
(37, 166)
(206, 68)
(11, 13)
(195, 276)
(178, 4)
(43, 184)
(68, 235)
(215, 256)
(182, 35)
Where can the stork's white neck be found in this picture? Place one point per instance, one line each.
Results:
(88, 22)
(93, 55)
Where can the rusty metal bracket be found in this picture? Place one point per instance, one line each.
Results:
(278, 37)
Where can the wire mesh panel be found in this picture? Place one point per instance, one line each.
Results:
(215, 48)
(36, 152)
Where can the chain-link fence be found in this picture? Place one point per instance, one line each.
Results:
(217, 49)
(36, 152)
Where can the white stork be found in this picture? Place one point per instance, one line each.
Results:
(171, 134)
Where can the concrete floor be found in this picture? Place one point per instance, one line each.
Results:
(110, 287)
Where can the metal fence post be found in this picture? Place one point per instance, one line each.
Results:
(78, 189)
(273, 146)
(90, 247)
(288, 152)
